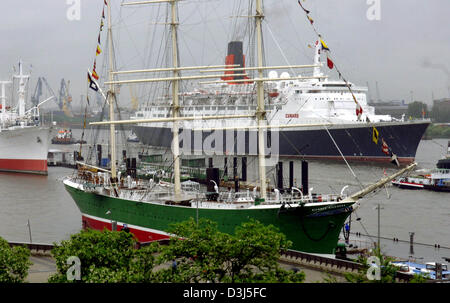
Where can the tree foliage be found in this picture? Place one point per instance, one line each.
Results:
(438, 131)
(14, 263)
(441, 112)
(416, 108)
(201, 253)
(106, 257)
(205, 254)
(388, 271)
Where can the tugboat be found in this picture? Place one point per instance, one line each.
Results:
(437, 179)
(64, 136)
(444, 163)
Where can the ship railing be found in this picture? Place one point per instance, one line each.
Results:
(315, 198)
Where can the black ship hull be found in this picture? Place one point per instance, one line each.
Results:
(354, 141)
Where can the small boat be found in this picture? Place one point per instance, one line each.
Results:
(64, 136)
(132, 138)
(437, 179)
(428, 269)
(416, 182)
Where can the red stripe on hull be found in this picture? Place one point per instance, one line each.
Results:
(141, 235)
(24, 166)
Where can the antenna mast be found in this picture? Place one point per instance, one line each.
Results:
(21, 92)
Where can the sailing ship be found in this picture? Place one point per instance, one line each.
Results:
(108, 199)
(23, 141)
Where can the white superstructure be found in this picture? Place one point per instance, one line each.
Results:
(23, 142)
(291, 101)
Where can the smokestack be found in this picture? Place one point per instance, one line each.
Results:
(235, 56)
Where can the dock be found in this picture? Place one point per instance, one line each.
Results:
(57, 157)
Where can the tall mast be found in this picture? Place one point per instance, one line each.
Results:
(261, 111)
(175, 88)
(175, 100)
(21, 91)
(111, 95)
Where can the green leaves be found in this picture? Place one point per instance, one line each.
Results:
(387, 270)
(202, 254)
(14, 263)
(250, 255)
(105, 256)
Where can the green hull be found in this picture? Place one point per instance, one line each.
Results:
(311, 229)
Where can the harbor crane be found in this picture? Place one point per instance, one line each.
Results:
(64, 100)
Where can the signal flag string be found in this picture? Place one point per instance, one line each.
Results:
(359, 110)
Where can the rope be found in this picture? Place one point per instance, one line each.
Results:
(348, 165)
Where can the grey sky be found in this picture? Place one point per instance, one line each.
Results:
(407, 50)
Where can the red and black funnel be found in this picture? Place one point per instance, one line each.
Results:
(235, 56)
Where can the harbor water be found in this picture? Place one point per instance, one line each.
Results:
(53, 216)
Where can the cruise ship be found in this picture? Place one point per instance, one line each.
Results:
(323, 109)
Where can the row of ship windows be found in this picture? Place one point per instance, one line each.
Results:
(231, 108)
(297, 91)
(206, 108)
(214, 108)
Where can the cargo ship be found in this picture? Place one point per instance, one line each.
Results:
(23, 141)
